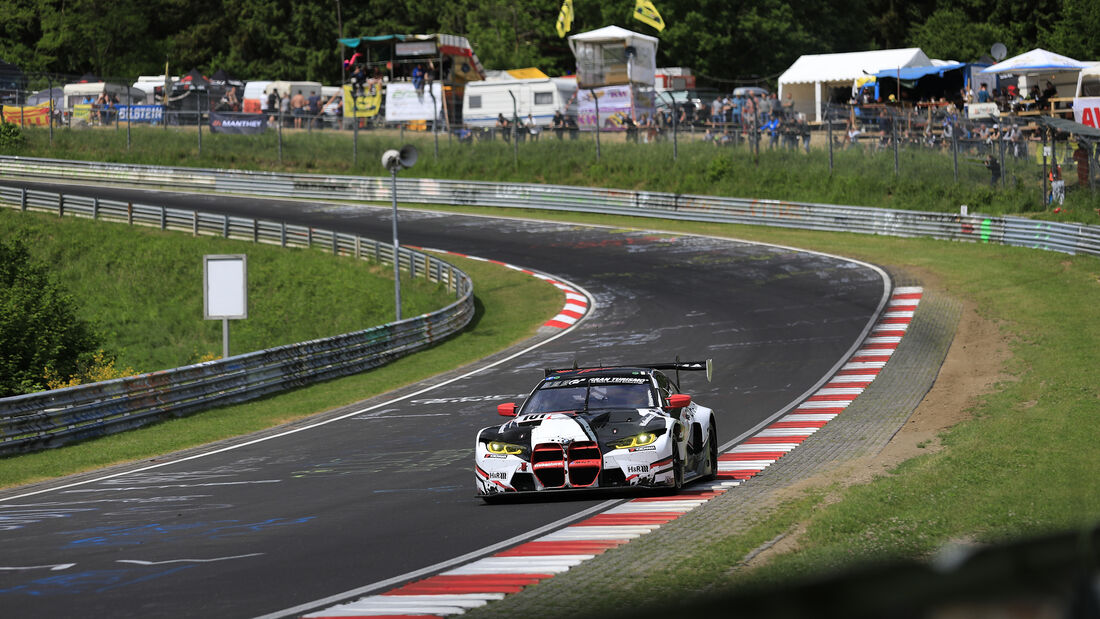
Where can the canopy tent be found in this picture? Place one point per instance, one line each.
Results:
(57, 94)
(806, 79)
(614, 56)
(459, 62)
(1068, 126)
(1036, 61)
(941, 79)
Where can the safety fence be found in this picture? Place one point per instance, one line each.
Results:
(1016, 231)
(50, 418)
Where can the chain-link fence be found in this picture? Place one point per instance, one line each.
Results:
(1015, 150)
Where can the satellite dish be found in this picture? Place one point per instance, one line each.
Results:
(998, 51)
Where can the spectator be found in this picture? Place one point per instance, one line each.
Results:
(716, 111)
(1081, 156)
(1049, 92)
(298, 105)
(772, 129)
(558, 124)
(284, 107)
(502, 127)
(314, 105)
(775, 107)
(788, 106)
(983, 94)
(532, 127)
(994, 169)
(735, 110)
(358, 80)
(272, 105)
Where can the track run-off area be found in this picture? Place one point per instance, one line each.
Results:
(379, 495)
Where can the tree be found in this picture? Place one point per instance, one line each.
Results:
(39, 327)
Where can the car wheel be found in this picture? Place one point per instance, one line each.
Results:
(712, 458)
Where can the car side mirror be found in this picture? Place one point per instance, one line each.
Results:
(678, 400)
(506, 410)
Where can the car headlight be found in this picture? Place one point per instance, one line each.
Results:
(498, 447)
(637, 440)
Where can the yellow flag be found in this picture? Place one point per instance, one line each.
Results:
(565, 18)
(645, 12)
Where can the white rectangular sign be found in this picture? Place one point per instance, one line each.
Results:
(1086, 110)
(225, 286)
(404, 103)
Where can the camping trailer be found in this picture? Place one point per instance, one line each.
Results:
(484, 101)
(255, 97)
(87, 92)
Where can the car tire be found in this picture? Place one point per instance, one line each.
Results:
(712, 456)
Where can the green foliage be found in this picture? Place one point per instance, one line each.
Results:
(722, 40)
(39, 325)
(11, 137)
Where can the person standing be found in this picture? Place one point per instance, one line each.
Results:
(298, 106)
(314, 105)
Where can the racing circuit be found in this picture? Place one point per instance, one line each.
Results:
(382, 492)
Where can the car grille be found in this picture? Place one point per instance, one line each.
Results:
(551, 462)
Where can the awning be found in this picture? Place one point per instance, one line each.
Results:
(1068, 126)
(1035, 61)
(915, 73)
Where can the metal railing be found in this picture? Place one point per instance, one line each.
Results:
(50, 418)
(1016, 231)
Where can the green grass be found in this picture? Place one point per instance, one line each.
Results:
(510, 306)
(861, 177)
(1024, 463)
(143, 289)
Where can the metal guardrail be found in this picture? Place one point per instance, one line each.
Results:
(50, 418)
(1017, 231)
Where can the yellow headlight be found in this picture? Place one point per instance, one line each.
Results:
(498, 447)
(637, 440)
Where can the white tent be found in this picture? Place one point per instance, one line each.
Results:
(613, 55)
(1036, 61)
(810, 74)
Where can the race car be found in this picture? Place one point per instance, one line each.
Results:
(600, 428)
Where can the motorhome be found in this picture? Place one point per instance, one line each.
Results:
(484, 101)
(153, 86)
(1086, 99)
(255, 97)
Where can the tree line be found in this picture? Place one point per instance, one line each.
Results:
(726, 41)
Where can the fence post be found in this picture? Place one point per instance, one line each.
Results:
(955, 146)
(829, 137)
(280, 133)
(894, 140)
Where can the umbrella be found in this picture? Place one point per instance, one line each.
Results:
(1036, 61)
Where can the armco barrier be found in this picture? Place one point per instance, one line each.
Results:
(50, 418)
(1068, 238)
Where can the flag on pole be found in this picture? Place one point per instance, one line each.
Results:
(565, 18)
(645, 12)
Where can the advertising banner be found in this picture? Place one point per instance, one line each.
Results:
(1086, 110)
(237, 123)
(403, 102)
(152, 114)
(28, 115)
(366, 106)
(82, 111)
(617, 103)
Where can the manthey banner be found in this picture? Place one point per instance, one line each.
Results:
(404, 102)
(242, 124)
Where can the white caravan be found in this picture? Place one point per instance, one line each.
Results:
(483, 101)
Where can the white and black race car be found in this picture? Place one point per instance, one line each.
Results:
(606, 427)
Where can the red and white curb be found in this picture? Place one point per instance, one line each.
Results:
(576, 301)
(492, 578)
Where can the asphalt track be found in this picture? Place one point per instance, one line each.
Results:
(387, 489)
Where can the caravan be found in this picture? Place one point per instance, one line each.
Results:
(1086, 100)
(484, 101)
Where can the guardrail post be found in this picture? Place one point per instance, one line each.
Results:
(95, 209)
(225, 226)
(309, 238)
(412, 264)
(255, 231)
(358, 247)
(23, 199)
(282, 234)
(130, 213)
(60, 205)
(194, 223)
(335, 243)
(377, 253)
(163, 218)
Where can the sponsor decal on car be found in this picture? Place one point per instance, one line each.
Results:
(638, 468)
(646, 448)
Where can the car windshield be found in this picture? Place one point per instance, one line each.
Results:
(589, 396)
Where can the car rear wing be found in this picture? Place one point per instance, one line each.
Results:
(688, 366)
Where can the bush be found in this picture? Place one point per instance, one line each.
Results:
(11, 136)
(40, 332)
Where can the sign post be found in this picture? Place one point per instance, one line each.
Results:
(225, 291)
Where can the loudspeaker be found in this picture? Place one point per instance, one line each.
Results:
(394, 160)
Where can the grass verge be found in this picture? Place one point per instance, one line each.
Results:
(510, 307)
